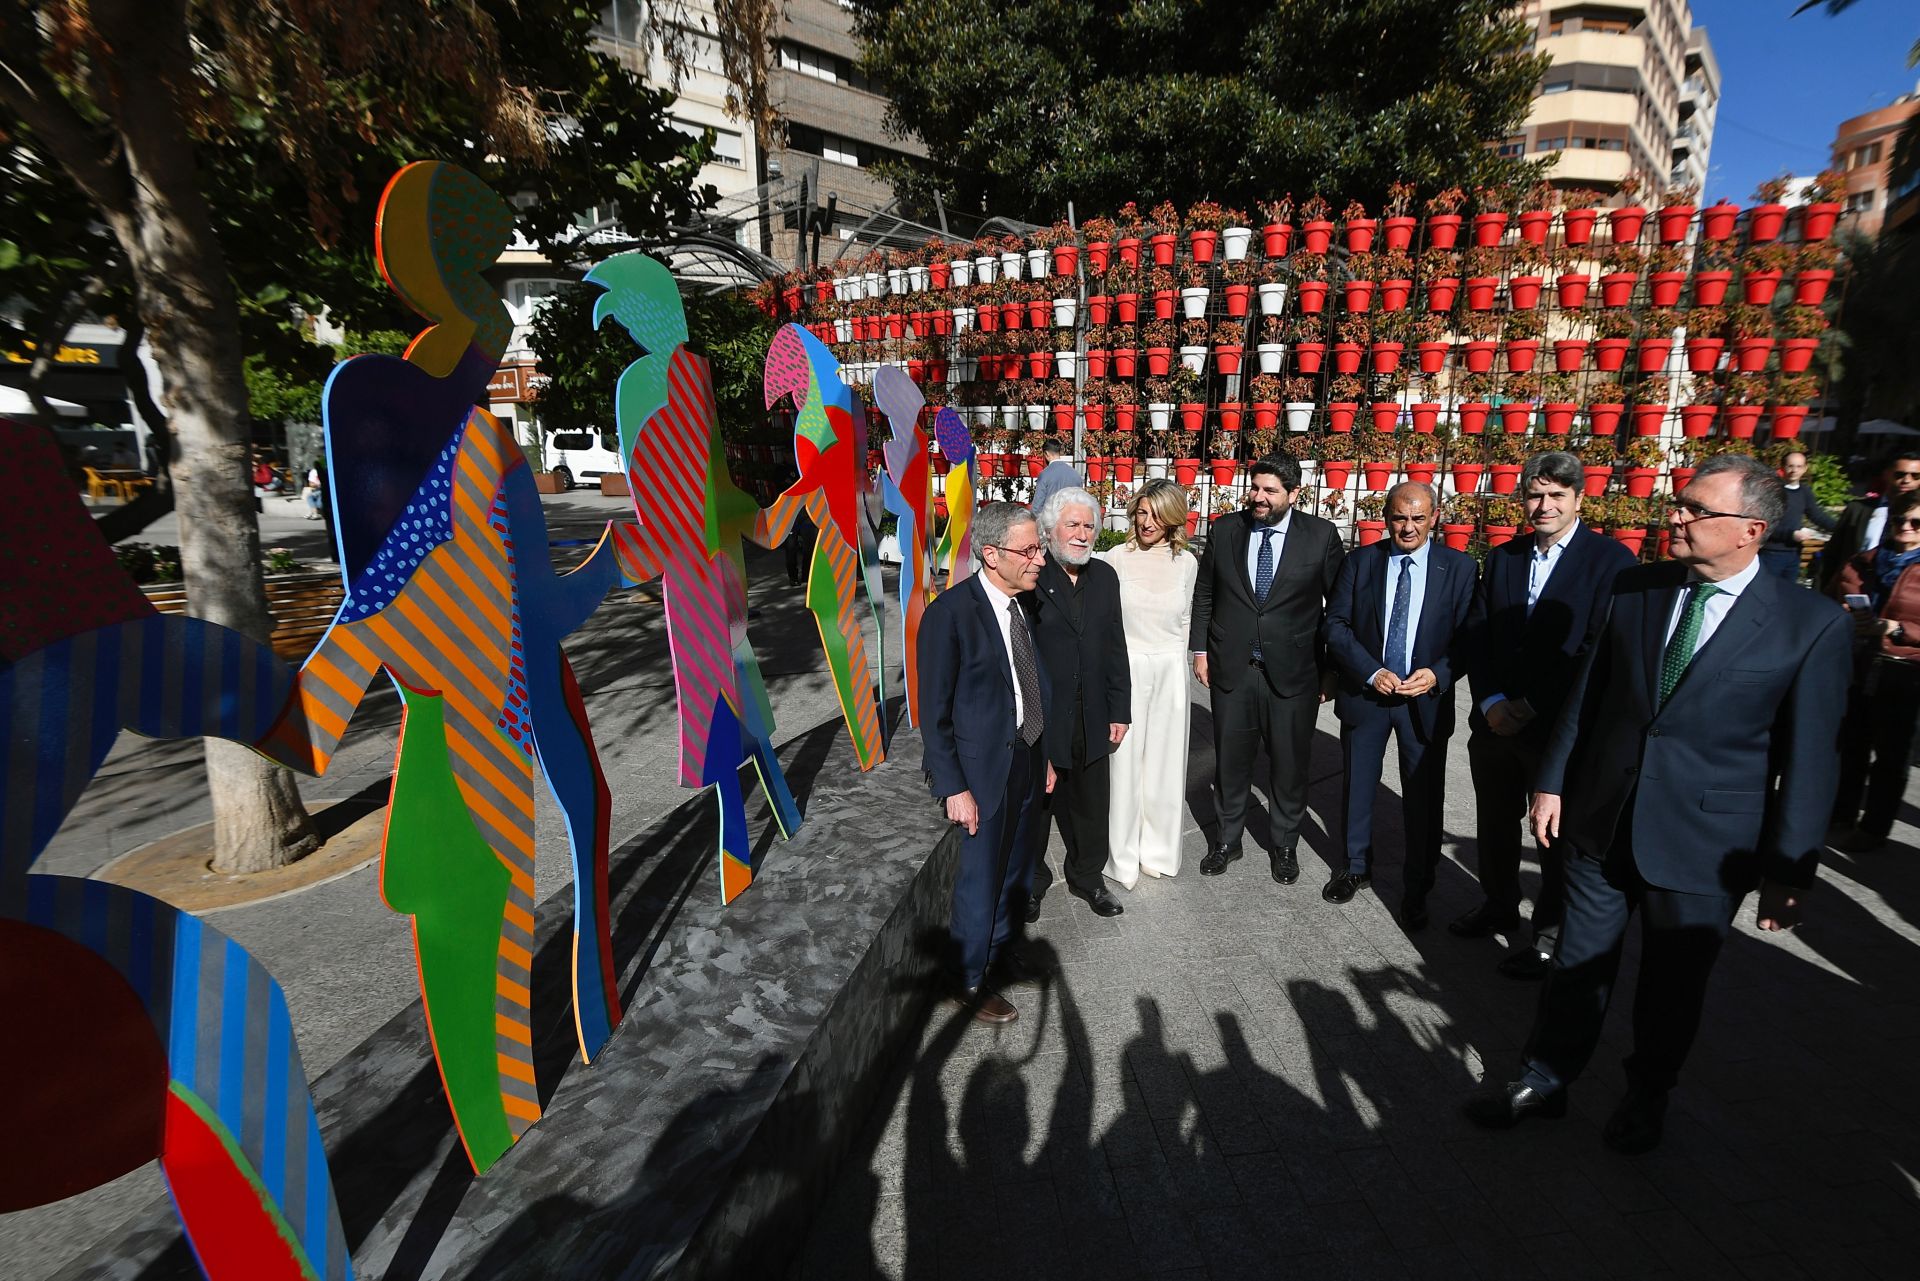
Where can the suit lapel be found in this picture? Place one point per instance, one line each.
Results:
(1750, 611)
(1432, 605)
(1234, 543)
(983, 602)
(1514, 567)
(1653, 632)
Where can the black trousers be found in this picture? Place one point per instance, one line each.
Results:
(1681, 936)
(1423, 776)
(990, 886)
(1080, 805)
(1876, 740)
(1246, 718)
(1502, 780)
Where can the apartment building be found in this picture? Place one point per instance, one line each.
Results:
(1633, 88)
(1863, 148)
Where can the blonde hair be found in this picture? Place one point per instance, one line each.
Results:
(1166, 502)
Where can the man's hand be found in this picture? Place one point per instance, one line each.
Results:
(1421, 681)
(1116, 731)
(1329, 681)
(962, 810)
(1779, 906)
(1502, 719)
(1385, 682)
(1052, 778)
(1200, 670)
(1544, 818)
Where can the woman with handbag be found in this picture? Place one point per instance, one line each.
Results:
(1881, 586)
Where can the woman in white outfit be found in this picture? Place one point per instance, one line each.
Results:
(1156, 572)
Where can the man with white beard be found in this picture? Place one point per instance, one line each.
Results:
(1083, 648)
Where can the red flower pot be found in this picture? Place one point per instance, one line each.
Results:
(1375, 476)
(1697, 420)
(1816, 221)
(1039, 364)
(1443, 230)
(1426, 416)
(1610, 354)
(1224, 470)
(1096, 468)
(1096, 417)
(1062, 421)
(1099, 256)
(1039, 312)
(1717, 221)
(1593, 480)
(941, 463)
(1604, 419)
(1674, 220)
(1124, 417)
(1626, 223)
(1640, 481)
(1163, 301)
(1433, 357)
(1710, 287)
(1796, 354)
(1312, 295)
(1516, 416)
(1466, 476)
(1568, 353)
(1664, 287)
(1479, 355)
(1524, 291)
(1577, 225)
(1572, 289)
(1162, 247)
(1488, 228)
(1506, 477)
(1340, 415)
(1037, 463)
(1632, 539)
(1398, 231)
(1227, 359)
(1230, 416)
(1750, 354)
(1066, 259)
(1346, 358)
(1456, 536)
(1521, 355)
(1616, 288)
(1385, 356)
(1266, 413)
(1480, 291)
(1393, 294)
(1810, 287)
(1680, 477)
(1557, 415)
(1764, 222)
(1129, 247)
(1099, 307)
(1498, 535)
(1442, 292)
(1275, 237)
(1126, 361)
(1534, 224)
(1318, 235)
(1385, 414)
(1307, 356)
(1159, 360)
(1741, 420)
(1360, 235)
(940, 274)
(1335, 474)
(896, 326)
(1371, 531)
(1127, 307)
(1647, 419)
(1787, 420)
(1473, 416)
(1703, 354)
(1193, 523)
(1193, 416)
(1758, 287)
(1359, 295)
(1237, 298)
(1203, 243)
(1422, 471)
(1186, 470)
(1122, 468)
(1654, 353)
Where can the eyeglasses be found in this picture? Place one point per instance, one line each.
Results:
(1694, 511)
(1024, 553)
(1906, 475)
(1906, 522)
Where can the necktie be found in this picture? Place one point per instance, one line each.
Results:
(1686, 638)
(1396, 655)
(1262, 579)
(1027, 671)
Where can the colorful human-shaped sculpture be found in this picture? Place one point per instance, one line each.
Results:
(907, 491)
(955, 552)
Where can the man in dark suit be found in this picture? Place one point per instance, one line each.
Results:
(1083, 650)
(1539, 597)
(1696, 758)
(1397, 630)
(1255, 639)
(983, 699)
(1864, 520)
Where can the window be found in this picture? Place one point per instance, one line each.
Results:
(728, 148)
(1860, 201)
(1550, 144)
(1556, 86)
(1514, 146)
(572, 440)
(530, 293)
(822, 65)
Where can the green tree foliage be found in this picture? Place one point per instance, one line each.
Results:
(1026, 106)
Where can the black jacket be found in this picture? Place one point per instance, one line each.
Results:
(1848, 540)
(1800, 509)
(1226, 616)
(1085, 658)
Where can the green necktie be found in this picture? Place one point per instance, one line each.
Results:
(1686, 638)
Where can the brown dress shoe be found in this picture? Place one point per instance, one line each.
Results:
(988, 1006)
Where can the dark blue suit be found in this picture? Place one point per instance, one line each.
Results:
(1530, 658)
(1680, 809)
(972, 744)
(1356, 630)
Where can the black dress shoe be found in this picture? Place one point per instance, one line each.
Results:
(1344, 886)
(1286, 866)
(1099, 899)
(1637, 1124)
(1413, 915)
(1528, 963)
(1482, 921)
(1033, 909)
(1501, 1107)
(1217, 859)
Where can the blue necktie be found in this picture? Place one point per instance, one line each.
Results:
(1396, 655)
(1262, 577)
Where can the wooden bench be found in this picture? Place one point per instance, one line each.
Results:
(302, 607)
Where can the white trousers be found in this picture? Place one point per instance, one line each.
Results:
(1150, 772)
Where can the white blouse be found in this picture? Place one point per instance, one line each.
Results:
(1156, 596)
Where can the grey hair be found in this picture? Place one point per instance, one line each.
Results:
(991, 524)
(1418, 487)
(1056, 506)
(1763, 495)
(1556, 467)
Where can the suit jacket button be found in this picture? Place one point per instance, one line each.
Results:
(1009, 745)
(1653, 733)
(1633, 769)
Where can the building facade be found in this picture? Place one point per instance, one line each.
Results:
(1863, 149)
(1633, 88)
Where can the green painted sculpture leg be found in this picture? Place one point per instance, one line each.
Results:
(824, 600)
(438, 870)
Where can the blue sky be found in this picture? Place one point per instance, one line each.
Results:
(1786, 81)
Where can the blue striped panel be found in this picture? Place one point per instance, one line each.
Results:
(187, 671)
(43, 900)
(152, 685)
(93, 919)
(233, 1039)
(232, 705)
(273, 1140)
(140, 948)
(183, 1041)
(50, 781)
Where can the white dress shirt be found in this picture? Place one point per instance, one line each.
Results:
(1402, 664)
(1718, 606)
(1540, 567)
(1876, 526)
(999, 600)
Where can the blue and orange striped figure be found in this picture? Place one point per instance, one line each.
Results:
(134, 1031)
(907, 492)
(830, 450)
(692, 520)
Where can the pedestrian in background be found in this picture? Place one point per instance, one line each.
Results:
(1058, 474)
(1781, 555)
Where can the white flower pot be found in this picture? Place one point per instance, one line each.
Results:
(840, 287)
(1194, 359)
(1064, 310)
(1273, 298)
(1299, 414)
(1234, 242)
(1010, 264)
(1036, 417)
(843, 328)
(983, 415)
(984, 269)
(962, 271)
(916, 278)
(876, 284)
(1271, 355)
(1194, 302)
(896, 280)
(1161, 415)
(1157, 468)
(1064, 363)
(1010, 417)
(962, 319)
(1039, 263)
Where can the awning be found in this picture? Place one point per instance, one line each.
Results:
(15, 403)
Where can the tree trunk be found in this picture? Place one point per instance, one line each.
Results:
(187, 304)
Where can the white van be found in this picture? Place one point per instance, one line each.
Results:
(577, 456)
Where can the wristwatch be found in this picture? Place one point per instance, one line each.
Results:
(1899, 634)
